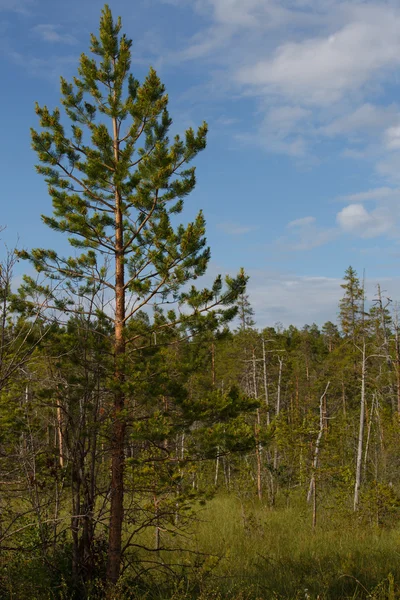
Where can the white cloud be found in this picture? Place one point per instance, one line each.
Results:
(362, 120)
(292, 299)
(322, 70)
(392, 137)
(354, 154)
(299, 300)
(389, 167)
(283, 130)
(301, 222)
(314, 67)
(284, 117)
(248, 13)
(355, 219)
(237, 12)
(306, 234)
(381, 193)
(49, 33)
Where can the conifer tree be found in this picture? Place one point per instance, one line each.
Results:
(246, 312)
(117, 185)
(351, 303)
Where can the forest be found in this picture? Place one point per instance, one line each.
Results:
(154, 443)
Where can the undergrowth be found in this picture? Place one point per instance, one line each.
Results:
(242, 550)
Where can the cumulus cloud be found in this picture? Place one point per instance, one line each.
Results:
(315, 68)
(356, 219)
(321, 70)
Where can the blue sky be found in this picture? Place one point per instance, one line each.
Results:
(301, 176)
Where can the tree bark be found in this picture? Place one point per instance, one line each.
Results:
(278, 406)
(257, 426)
(265, 381)
(119, 423)
(311, 489)
(360, 431)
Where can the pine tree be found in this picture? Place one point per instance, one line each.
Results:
(351, 304)
(246, 312)
(117, 185)
(331, 335)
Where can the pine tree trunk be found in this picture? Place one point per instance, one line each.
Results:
(119, 423)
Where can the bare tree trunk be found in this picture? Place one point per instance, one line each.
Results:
(278, 406)
(257, 426)
(397, 346)
(60, 436)
(258, 456)
(360, 430)
(265, 381)
(317, 443)
(385, 346)
(371, 415)
(216, 468)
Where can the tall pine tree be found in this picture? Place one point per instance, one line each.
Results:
(117, 185)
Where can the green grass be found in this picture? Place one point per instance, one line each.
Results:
(275, 554)
(248, 552)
